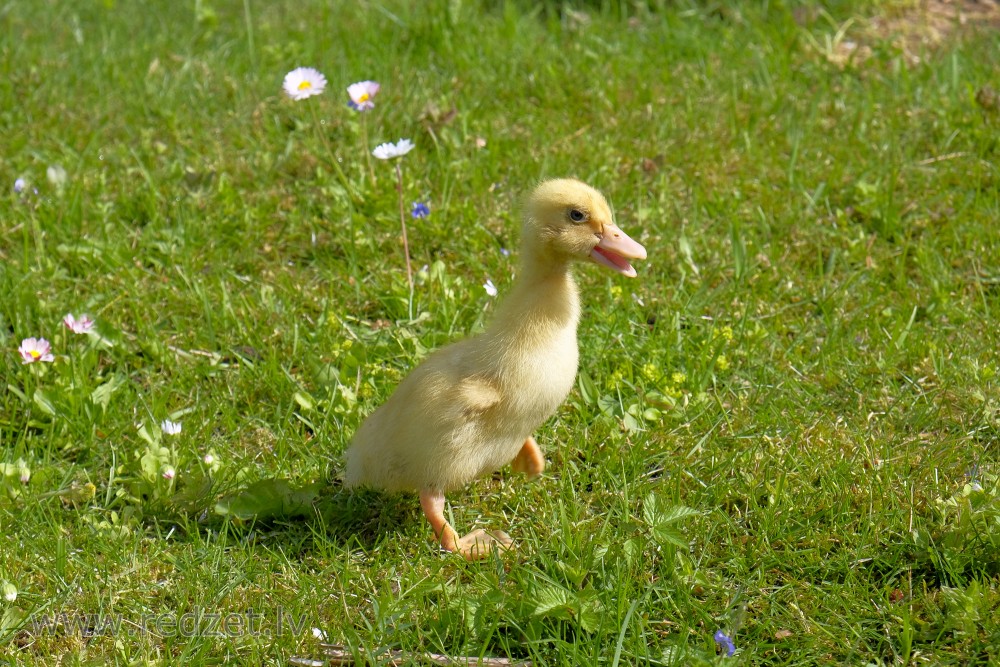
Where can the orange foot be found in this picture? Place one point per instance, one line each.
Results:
(476, 545)
(529, 460)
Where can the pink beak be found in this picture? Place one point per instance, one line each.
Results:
(615, 249)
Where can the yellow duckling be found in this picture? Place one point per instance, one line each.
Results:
(471, 407)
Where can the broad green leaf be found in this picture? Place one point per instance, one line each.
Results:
(11, 619)
(590, 617)
(146, 436)
(588, 390)
(660, 520)
(267, 499)
(17, 392)
(102, 395)
(664, 535)
(608, 404)
(550, 598)
(153, 460)
(678, 513)
(631, 423)
(305, 401)
(44, 401)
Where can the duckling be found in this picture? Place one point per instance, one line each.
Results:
(471, 407)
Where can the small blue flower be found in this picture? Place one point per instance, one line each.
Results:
(420, 210)
(19, 185)
(725, 642)
(505, 252)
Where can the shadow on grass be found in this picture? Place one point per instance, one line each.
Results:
(364, 515)
(323, 509)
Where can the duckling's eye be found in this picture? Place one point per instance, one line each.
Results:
(577, 215)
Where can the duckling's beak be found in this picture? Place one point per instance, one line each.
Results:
(614, 250)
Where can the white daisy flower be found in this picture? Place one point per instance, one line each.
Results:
(389, 151)
(56, 175)
(362, 93)
(490, 288)
(170, 428)
(304, 82)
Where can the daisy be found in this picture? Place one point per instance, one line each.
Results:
(389, 151)
(170, 428)
(56, 175)
(490, 288)
(304, 82)
(35, 349)
(420, 210)
(361, 94)
(79, 326)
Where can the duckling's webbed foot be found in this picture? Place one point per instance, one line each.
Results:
(474, 546)
(529, 460)
(479, 543)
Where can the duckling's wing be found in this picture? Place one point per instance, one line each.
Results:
(475, 394)
(418, 438)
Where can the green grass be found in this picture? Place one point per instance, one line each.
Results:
(808, 359)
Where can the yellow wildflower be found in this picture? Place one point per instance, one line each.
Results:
(672, 392)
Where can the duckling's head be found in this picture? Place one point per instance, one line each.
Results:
(568, 219)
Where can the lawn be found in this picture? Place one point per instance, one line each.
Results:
(786, 428)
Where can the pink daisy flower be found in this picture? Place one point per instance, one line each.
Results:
(79, 326)
(361, 94)
(35, 349)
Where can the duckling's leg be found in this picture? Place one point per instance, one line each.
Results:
(477, 544)
(529, 460)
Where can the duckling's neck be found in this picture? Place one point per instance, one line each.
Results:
(543, 303)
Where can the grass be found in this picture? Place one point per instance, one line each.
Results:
(807, 359)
